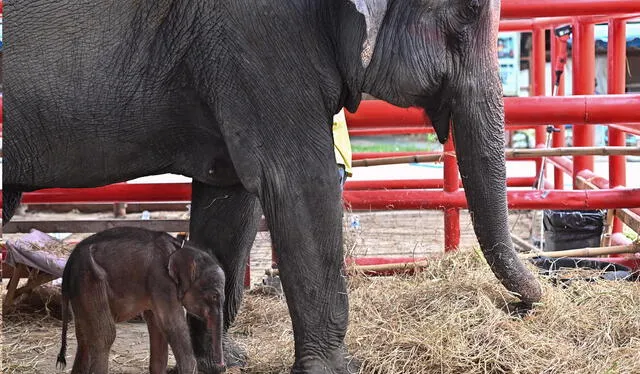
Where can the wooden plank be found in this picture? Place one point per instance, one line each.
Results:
(38, 278)
(629, 218)
(586, 252)
(97, 225)
(9, 297)
(509, 154)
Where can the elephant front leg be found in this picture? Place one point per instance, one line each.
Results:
(159, 347)
(303, 210)
(224, 220)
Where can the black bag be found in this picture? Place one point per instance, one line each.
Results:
(571, 229)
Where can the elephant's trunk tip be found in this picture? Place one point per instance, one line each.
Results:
(526, 287)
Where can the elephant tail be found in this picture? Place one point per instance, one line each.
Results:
(98, 271)
(62, 362)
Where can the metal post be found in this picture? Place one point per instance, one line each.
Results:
(558, 138)
(583, 57)
(451, 215)
(616, 70)
(538, 87)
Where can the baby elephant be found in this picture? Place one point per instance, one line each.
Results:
(114, 275)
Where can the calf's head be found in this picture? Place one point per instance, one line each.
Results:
(200, 282)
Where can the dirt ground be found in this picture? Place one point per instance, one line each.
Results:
(31, 340)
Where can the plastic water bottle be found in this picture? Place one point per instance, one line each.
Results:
(146, 215)
(355, 222)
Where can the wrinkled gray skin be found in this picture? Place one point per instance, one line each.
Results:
(239, 95)
(116, 274)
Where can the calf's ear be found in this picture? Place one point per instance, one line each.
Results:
(182, 269)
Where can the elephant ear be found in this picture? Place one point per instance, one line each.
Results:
(373, 12)
(182, 270)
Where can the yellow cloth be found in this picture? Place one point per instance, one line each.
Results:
(341, 142)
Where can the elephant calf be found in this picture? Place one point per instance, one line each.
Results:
(114, 275)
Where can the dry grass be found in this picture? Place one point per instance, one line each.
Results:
(450, 318)
(28, 341)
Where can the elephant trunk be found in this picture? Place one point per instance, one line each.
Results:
(478, 133)
(214, 325)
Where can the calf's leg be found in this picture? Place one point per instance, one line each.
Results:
(159, 355)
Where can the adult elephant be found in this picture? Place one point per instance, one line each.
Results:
(239, 95)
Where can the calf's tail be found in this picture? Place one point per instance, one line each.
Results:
(62, 362)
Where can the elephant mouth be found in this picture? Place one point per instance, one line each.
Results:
(438, 107)
(440, 119)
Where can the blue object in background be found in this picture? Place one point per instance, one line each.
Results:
(601, 35)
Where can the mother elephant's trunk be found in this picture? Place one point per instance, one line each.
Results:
(478, 131)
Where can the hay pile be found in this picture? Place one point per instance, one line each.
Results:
(453, 318)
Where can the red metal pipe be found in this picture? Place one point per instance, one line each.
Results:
(584, 84)
(616, 82)
(416, 184)
(553, 199)
(528, 24)
(543, 110)
(120, 192)
(451, 215)
(181, 192)
(562, 163)
(631, 129)
(554, 8)
(366, 261)
(538, 82)
(595, 179)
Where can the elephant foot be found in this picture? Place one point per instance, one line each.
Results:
(338, 362)
(234, 354)
(235, 359)
(214, 369)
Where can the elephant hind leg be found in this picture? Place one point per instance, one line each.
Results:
(104, 336)
(95, 336)
(95, 328)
